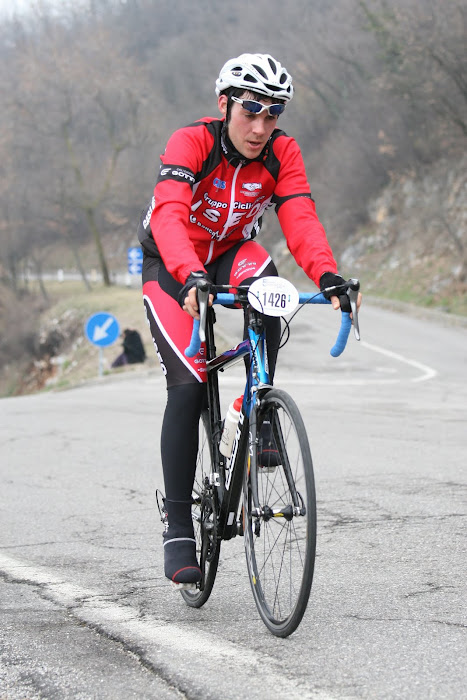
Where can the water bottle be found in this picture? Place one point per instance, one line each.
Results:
(230, 426)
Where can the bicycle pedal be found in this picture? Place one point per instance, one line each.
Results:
(183, 586)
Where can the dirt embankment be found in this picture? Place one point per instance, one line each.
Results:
(56, 354)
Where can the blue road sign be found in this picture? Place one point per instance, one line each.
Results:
(102, 329)
(135, 261)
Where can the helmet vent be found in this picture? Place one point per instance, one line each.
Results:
(250, 78)
(260, 71)
(272, 64)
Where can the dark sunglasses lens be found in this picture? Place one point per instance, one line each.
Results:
(275, 110)
(251, 106)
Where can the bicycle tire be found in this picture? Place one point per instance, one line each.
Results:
(280, 550)
(207, 544)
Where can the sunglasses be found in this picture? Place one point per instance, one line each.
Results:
(256, 107)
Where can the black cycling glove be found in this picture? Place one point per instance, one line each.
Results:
(190, 282)
(330, 279)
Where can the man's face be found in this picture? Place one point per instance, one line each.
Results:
(248, 132)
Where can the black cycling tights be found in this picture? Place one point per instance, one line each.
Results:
(179, 438)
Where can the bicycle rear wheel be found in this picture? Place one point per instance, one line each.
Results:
(280, 541)
(204, 513)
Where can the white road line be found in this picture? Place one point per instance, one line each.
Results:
(183, 653)
(427, 372)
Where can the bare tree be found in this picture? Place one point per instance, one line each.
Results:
(424, 65)
(77, 123)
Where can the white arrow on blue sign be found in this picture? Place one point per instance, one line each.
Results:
(135, 254)
(102, 329)
(135, 261)
(135, 268)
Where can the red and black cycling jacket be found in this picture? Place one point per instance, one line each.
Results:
(207, 198)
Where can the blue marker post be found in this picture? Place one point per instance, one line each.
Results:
(135, 261)
(102, 329)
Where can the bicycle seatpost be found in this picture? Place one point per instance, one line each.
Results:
(352, 293)
(202, 288)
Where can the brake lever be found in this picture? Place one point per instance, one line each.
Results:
(352, 293)
(203, 295)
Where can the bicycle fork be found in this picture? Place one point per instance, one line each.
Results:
(262, 512)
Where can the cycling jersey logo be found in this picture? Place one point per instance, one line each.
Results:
(175, 172)
(251, 189)
(149, 304)
(214, 203)
(220, 184)
(151, 208)
(230, 462)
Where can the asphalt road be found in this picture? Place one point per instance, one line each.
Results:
(85, 609)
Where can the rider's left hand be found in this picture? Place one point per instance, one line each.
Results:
(338, 301)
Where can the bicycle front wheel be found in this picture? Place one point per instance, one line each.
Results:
(280, 536)
(204, 514)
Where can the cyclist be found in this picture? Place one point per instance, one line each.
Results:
(217, 177)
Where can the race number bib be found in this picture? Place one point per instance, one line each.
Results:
(273, 296)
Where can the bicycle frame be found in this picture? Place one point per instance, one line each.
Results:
(229, 472)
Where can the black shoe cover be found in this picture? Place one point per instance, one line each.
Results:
(180, 563)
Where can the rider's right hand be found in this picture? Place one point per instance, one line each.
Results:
(187, 296)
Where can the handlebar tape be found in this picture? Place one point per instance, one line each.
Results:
(341, 342)
(346, 323)
(195, 342)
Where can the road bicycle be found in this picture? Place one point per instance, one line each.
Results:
(265, 495)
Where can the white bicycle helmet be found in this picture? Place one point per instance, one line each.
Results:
(259, 72)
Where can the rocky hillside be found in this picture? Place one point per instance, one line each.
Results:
(414, 247)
